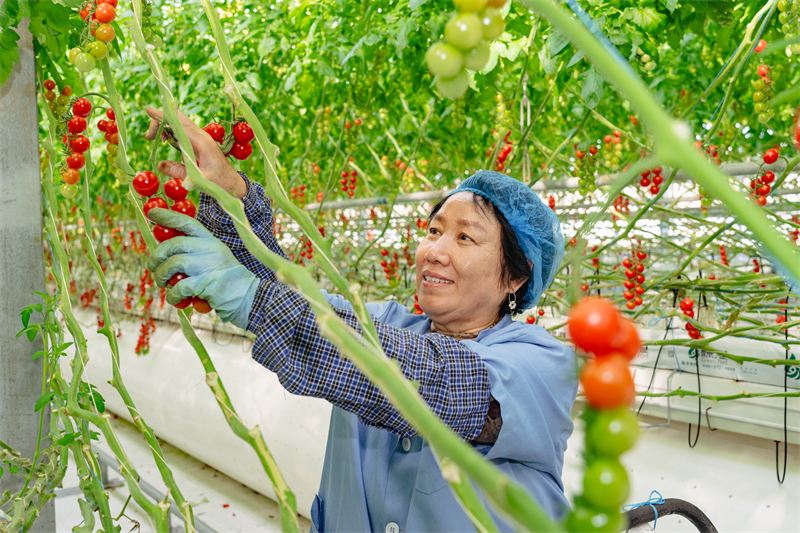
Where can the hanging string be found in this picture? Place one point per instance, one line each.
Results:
(781, 478)
(655, 365)
(651, 501)
(699, 398)
(524, 122)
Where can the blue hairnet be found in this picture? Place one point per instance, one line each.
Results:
(536, 226)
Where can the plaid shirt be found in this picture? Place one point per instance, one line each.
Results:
(452, 379)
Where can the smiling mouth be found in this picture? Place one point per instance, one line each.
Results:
(436, 280)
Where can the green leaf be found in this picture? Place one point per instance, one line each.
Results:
(646, 18)
(59, 350)
(546, 61)
(99, 401)
(593, 88)
(577, 57)
(9, 15)
(94, 435)
(324, 68)
(26, 316)
(556, 42)
(415, 4)
(8, 40)
(67, 438)
(45, 399)
(267, 45)
(670, 4)
(24, 9)
(38, 354)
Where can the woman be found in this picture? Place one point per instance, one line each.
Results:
(505, 386)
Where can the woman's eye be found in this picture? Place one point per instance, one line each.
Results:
(431, 231)
(465, 237)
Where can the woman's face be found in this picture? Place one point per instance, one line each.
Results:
(459, 266)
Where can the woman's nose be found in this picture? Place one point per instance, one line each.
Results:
(440, 251)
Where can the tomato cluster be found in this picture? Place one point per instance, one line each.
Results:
(146, 183)
(762, 89)
(687, 306)
(505, 121)
(349, 182)
(656, 180)
(596, 327)
(351, 131)
(417, 308)
(505, 151)
(789, 22)
(75, 144)
(466, 47)
(98, 14)
(56, 102)
(723, 255)
(110, 130)
(551, 202)
(621, 205)
(239, 140)
(390, 265)
(634, 272)
(585, 167)
(612, 152)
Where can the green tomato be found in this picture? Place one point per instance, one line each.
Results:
(84, 62)
(444, 60)
(454, 87)
(759, 85)
(53, 106)
(147, 33)
(646, 58)
(783, 18)
(613, 432)
(155, 40)
(464, 31)
(67, 190)
(112, 149)
(478, 57)
(72, 53)
(781, 5)
(97, 49)
(492, 23)
(763, 118)
(583, 520)
(759, 107)
(650, 66)
(62, 100)
(705, 201)
(605, 484)
(469, 5)
(758, 96)
(60, 110)
(795, 48)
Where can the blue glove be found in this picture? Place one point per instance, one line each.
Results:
(214, 273)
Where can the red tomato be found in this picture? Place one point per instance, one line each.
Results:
(593, 323)
(49, 85)
(164, 234)
(768, 177)
(105, 13)
(770, 156)
(76, 125)
(761, 46)
(102, 124)
(82, 107)
(112, 138)
(111, 126)
(200, 305)
(154, 202)
(174, 189)
(608, 383)
(76, 161)
(186, 207)
(186, 302)
(241, 151)
(687, 303)
(763, 71)
(110, 114)
(71, 176)
(761, 200)
(531, 319)
(67, 90)
(80, 143)
(243, 133)
(626, 342)
(217, 131)
(146, 183)
(112, 3)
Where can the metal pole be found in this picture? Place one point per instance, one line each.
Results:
(21, 266)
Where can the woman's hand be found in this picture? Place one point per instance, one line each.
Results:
(212, 163)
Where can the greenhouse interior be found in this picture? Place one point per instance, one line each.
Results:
(399, 266)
